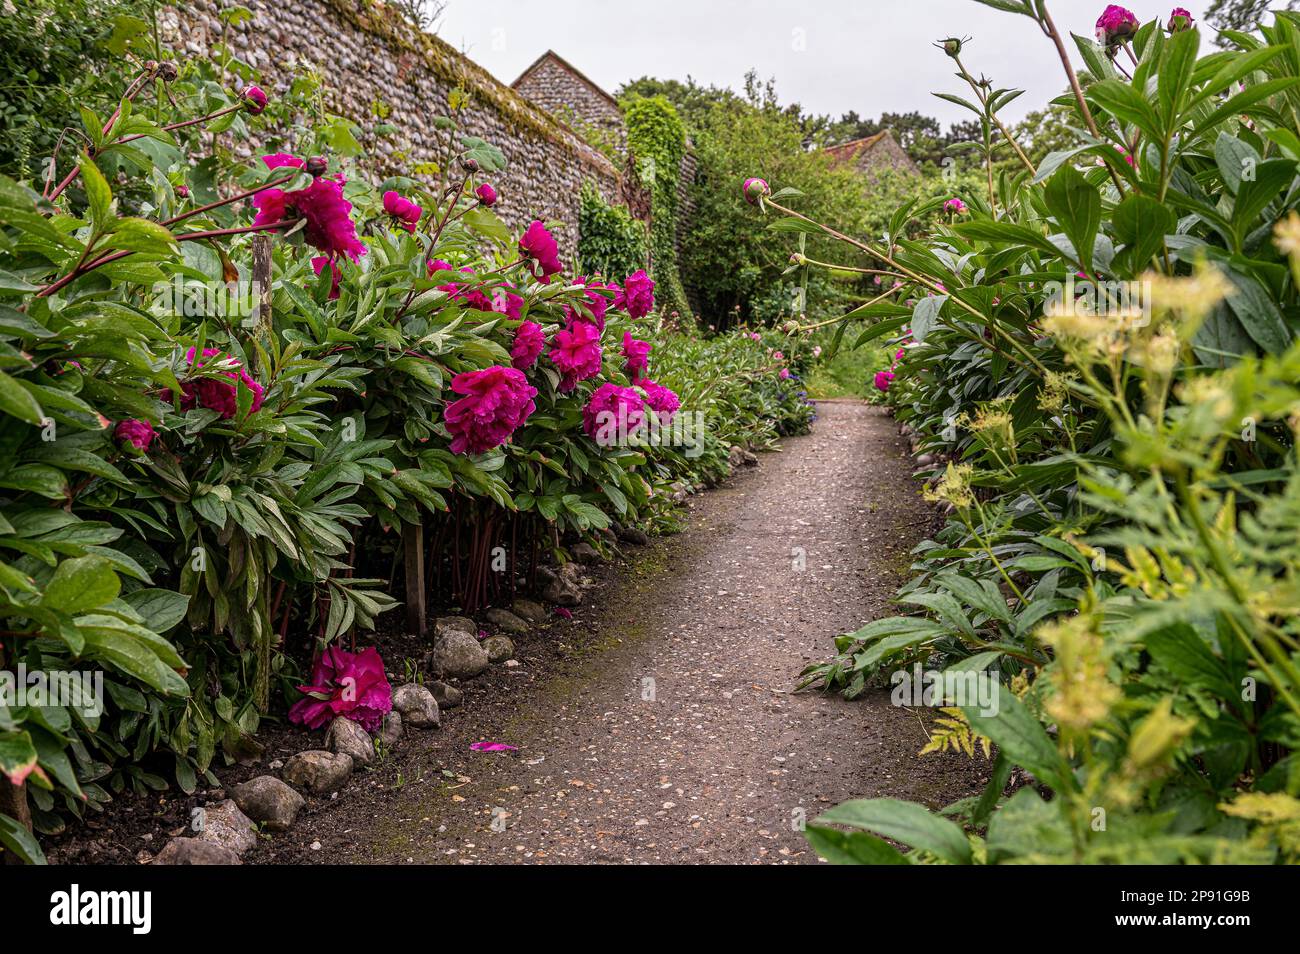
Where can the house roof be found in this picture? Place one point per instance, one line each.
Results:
(569, 67)
(848, 151)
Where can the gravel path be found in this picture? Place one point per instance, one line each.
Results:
(668, 731)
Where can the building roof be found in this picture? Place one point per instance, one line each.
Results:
(570, 68)
(848, 151)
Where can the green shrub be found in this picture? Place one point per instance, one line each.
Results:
(1117, 462)
(611, 242)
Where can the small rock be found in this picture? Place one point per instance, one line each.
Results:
(506, 620)
(634, 536)
(345, 737)
(225, 825)
(194, 851)
(530, 610)
(584, 552)
(449, 697)
(459, 656)
(925, 460)
(391, 729)
(417, 704)
(269, 801)
(445, 625)
(499, 648)
(562, 586)
(317, 771)
(735, 456)
(750, 459)
(276, 764)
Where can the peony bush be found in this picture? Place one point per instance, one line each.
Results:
(230, 390)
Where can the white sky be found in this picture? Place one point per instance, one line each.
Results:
(831, 56)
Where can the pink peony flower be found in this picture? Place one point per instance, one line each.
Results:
(612, 407)
(214, 393)
(785, 374)
(139, 434)
(755, 336)
(402, 209)
(329, 222)
(954, 205)
(336, 273)
(493, 747)
(1115, 25)
(883, 380)
(486, 195)
(529, 342)
(497, 402)
(538, 244)
(638, 294)
(817, 351)
(576, 352)
(1179, 20)
(753, 188)
(637, 353)
(345, 684)
(254, 99)
(183, 191)
(778, 356)
(663, 401)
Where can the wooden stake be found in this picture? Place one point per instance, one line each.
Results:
(417, 617)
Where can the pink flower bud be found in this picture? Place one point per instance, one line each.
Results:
(254, 99)
(754, 188)
(486, 194)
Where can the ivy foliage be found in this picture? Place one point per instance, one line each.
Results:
(657, 139)
(613, 242)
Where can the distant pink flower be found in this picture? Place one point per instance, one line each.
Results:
(612, 407)
(898, 355)
(954, 205)
(345, 684)
(663, 401)
(539, 245)
(637, 353)
(785, 374)
(329, 221)
(402, 209)
(576, 352)
(254, 99)
(563, 612)
(1115, 25)
(139, 434)
(496, 402)
(778, 356)
(336, 273)
(817, 351)
(486, 195)
(529, 342)
(883, 380)
(753, 188)
(183, 191)
(638, 294)
(492, 747)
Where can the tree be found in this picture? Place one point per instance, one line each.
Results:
(1242, 15)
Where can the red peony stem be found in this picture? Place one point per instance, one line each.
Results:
(132, 92)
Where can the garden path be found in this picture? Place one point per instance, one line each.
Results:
(660, 725)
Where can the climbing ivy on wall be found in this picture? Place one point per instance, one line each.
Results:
(612, 242)
(657, 139)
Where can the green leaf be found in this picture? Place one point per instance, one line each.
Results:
(852, 847)
(1027, 825)
(1076, 205)
(81, 584)
(99, 196)
(17, 755)
(1018, 734)
(16, 838)
(17, 402)
(907, 822)
(925, 315)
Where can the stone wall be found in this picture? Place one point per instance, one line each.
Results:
(365, 55)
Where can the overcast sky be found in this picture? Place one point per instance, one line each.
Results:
(831, 56)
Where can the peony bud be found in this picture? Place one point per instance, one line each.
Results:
(486, 195)
(183, 191)
(316, 166)
(469, 164)
(254, 99)
(755, 188)
(951, 46)
(1180, 20)
(167, 72)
